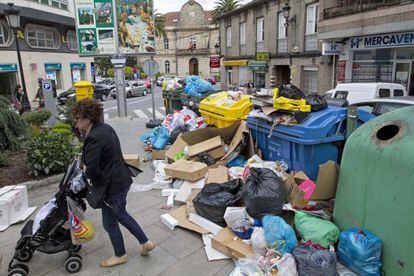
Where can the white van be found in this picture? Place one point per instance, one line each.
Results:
(354, 92)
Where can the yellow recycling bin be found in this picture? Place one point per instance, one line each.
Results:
(84, 90)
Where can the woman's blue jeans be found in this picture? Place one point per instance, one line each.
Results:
(114, 212)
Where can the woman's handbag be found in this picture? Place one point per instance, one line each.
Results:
(96, 195)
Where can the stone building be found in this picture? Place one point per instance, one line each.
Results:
(48, 46)
(258, 44)
(191, 40)
(377, 38)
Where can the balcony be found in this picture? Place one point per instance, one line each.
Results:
(311, 42)
(347, 7)
(243, 50)
(260, 46)
(192, 51)
(282, 45)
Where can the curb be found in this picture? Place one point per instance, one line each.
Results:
(44, 182)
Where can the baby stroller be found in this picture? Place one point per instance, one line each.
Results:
(46, 233)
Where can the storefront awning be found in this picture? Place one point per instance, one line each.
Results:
(77, 66)
(53, 66)
(8, 67)
(258, 66)
(236, 63)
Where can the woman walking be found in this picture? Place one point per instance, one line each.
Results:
(104, 165)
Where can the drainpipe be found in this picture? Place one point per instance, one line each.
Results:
(352, 118)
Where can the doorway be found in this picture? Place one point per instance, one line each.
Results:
(8, 82)
(193, 66)
(282, 73)
(404, 75)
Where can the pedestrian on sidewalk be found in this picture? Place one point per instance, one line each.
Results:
(105, 166)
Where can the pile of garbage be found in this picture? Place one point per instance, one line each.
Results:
(196, 86)
(175, 84)
(269, 219)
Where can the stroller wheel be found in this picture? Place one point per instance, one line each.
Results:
(20, 266)
(19, 270)
(73, 264)
(24, 255)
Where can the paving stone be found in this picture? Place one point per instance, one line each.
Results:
(226, 271)
(182, 244)
(195, 264)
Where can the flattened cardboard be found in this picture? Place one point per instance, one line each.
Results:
(230, 245)
(158, 154)
(295, 195)
(217, 175)
(326, 182)
(187, 170)
(204, 146)
(181, 216)
(176, 148)
(132, 159)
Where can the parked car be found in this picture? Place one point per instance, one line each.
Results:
(136, 88)
(148, 83)
(378, 107)
(159, 81)
(354, 92)
(101, 91)
(65, 95)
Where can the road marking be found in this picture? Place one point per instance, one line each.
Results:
(106, 116)
(162, 108)
(140, 114)
(129, 103)
(157, 113)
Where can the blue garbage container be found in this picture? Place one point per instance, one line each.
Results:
(316, 140)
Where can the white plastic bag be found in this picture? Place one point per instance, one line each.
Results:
(287, 265)
(82, 230)
(233, 215)
(259, 242)
(247, 267)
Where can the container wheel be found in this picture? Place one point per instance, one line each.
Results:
(73, 264)
(24, 255)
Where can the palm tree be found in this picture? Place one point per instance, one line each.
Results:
(224, 6)
(159, 25)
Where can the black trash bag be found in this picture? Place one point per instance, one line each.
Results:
(206, 159)
(213, 199)
(291, 92)
(314, 262)
(177, 131)
(264, 193)
(317, 102)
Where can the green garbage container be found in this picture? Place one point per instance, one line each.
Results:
(193, 102)
(375, 189)
(172, 100)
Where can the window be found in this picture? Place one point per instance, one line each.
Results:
(167, 67)
(229, 77)
(282, 28)
(388, 107)
(341, 95)
(312, 19)
(42, 37)
(384, 93)
(5, 35)
(193, 42)
(398, 93)
(260, 30)
(242, 33)
(367, 107)
(228, 36)
(166, 44)
(72, 41)
(310, 80)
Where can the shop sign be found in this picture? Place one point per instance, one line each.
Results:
(262, 56)
(53, 66)
(331, 49)
(258, 66)
(215, 62)
(8, 67)
(236, 63)
(340, 76)
(382, 41)
(79, 66)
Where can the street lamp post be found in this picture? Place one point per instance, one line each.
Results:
(13, 19)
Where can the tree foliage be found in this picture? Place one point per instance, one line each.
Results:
(223, 7)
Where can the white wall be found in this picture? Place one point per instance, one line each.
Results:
(45, 8)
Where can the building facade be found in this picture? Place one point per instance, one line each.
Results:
(48, 47)
(191, 40)
(377, 39)
(258, 45)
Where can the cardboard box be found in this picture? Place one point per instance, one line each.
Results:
(230, 245)
(235, 136)
(187, 170)
(217, 175)
(13, 205)
(326, 184)
(207, 146)
(132, 159)
(181, 216)
(158, 154)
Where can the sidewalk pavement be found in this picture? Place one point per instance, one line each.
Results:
(178, 252)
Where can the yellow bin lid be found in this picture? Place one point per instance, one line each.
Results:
(83, 84)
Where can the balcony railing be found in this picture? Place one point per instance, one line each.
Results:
(260, 46)
(243, 50)
(193, 51)
(346, 7)
(282, 46)
(311, 42)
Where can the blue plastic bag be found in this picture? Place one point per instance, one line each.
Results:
(161, 139)
(147, 137)
(196, 87)
(280, 236)
(239, 161)
(360, 251)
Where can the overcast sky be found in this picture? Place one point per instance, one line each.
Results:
(164, 6)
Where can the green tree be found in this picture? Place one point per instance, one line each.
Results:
(159, 24)
(223, 7)
(103, 64)
(12, 127)
(110, 72)
(128, 72)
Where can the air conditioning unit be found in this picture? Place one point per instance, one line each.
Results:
(295, 49)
